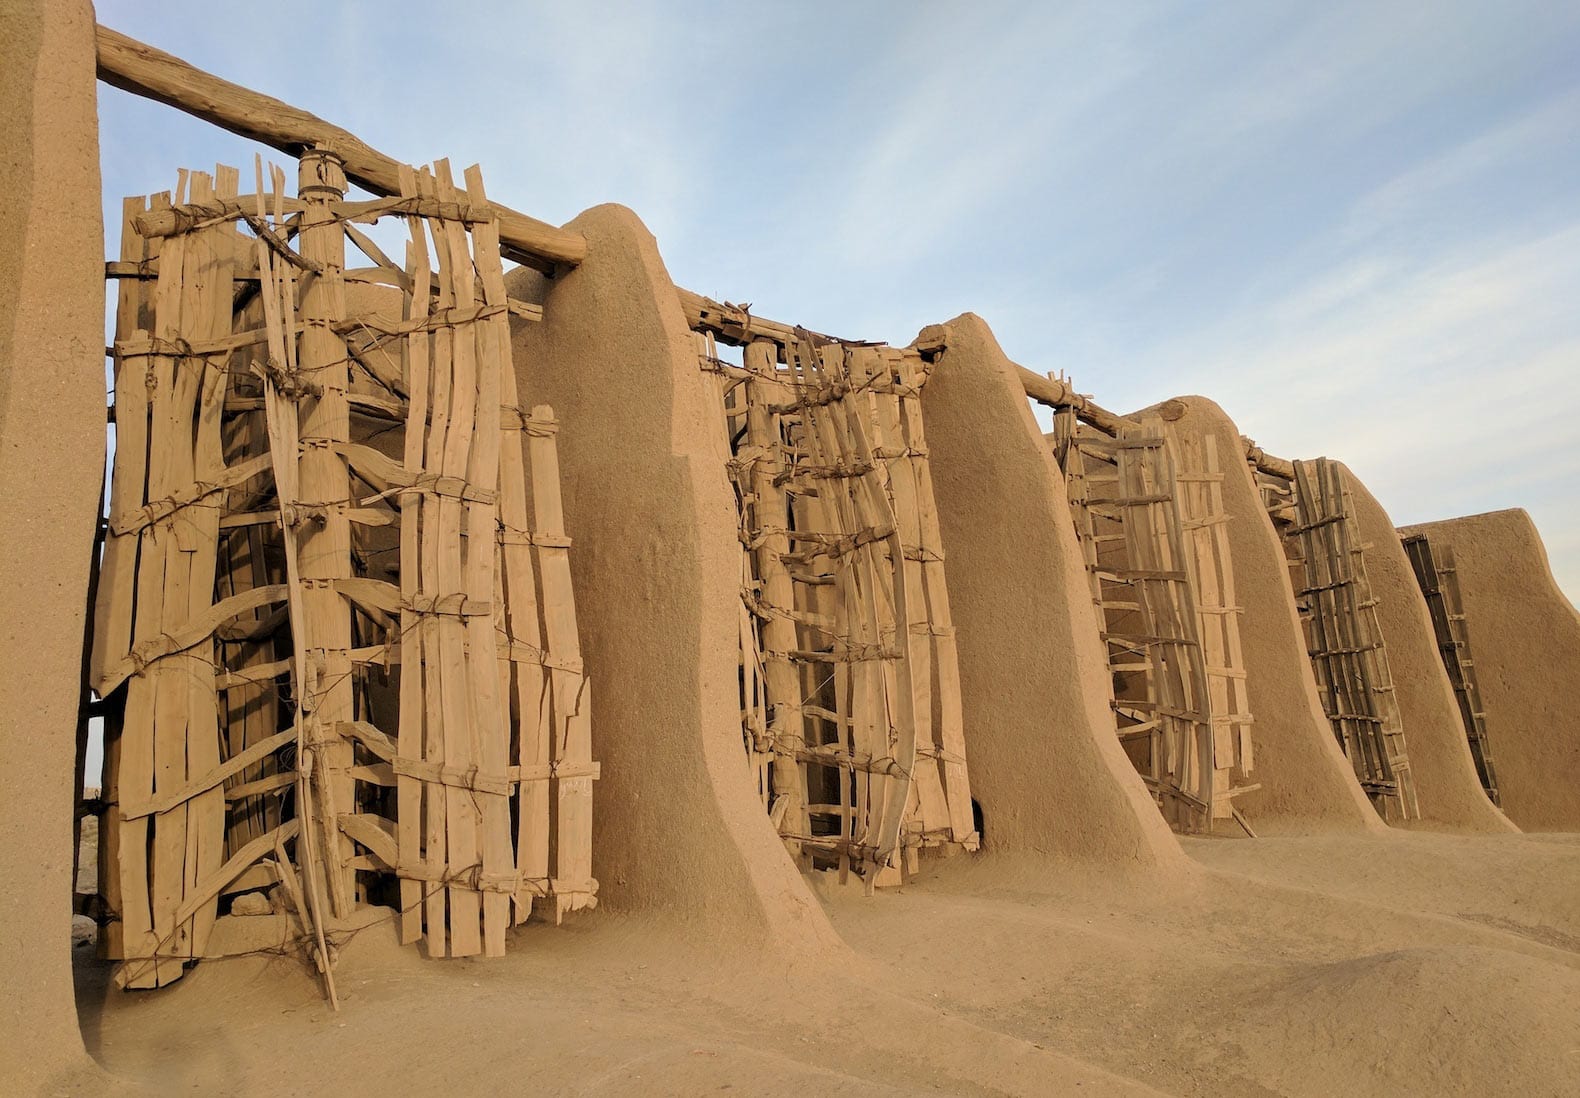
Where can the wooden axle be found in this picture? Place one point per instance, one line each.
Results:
(1266, 462)
(736, 326)
(141, 69)
(1058, 394)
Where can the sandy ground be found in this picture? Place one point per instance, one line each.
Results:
(1408, 964)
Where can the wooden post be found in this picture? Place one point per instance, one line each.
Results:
(324, 534)
(786, 727)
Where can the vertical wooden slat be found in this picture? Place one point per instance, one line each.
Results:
(211, 317)
(409, 788)
(949, 738)
(489, 709)
(574, 887)
(455, 366)
(113, 612)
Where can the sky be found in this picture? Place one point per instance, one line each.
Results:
(1356, 226)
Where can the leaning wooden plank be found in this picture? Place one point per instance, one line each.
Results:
(521, 654)
(112, 629)
(211, 317)
(142, 70)
(435, 814)
(950, 736)
(157, 652)
(408, 790)
(210, 885)
(210, 780)
(459, 709)
(113, 612)
(490, 705)
(573, 885)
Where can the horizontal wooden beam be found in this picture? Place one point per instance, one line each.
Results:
(1266, 462)
(737, 326)
(1057, 394)
(141, 69)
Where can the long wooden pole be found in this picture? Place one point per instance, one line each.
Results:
(737, 325)
(1058, 394)
(324, 545)
(141, 69)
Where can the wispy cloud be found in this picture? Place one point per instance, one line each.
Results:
(1354, 224)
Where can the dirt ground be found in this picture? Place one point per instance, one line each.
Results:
(1407, 964)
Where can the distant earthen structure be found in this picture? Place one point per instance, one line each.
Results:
(432, 592)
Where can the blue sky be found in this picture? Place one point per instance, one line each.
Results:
(1355, 226)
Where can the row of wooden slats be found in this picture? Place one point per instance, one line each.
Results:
(1149, 519)
(1345, 640)
(850, 683)
(235, 423)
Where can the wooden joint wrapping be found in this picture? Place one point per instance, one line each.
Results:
(513, 418)
(521, 652)
(456, 604)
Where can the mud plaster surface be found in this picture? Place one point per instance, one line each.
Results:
(1525, 644)
(1045, 764)
(1450, 794)
(51, 460)
(1307, 784)
(656, 569)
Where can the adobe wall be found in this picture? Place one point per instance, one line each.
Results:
(1045, 764)
(677, 826)
(1307, 783)
(1525, 645)
(1449, 793)
(52, 400)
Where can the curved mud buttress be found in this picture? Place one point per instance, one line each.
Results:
(1307, 784)
(1046, 765)
(51, 463)
(1447, 787)
(677, 827)
(1525, 646)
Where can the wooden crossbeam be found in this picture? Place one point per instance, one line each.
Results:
(136, 67)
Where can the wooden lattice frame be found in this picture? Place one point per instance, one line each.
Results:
(1129, 534)
(1344, 638)
(851, 703)
(1203, 519)
(251, 408)
(1438, 578)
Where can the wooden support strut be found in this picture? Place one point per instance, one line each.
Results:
(141, 69)
(1053, 393)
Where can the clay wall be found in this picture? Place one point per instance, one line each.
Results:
(1046, 766)
(52, 398)
(1307, 784)
(677, 827)
(1525, 645)
(1449, 793)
